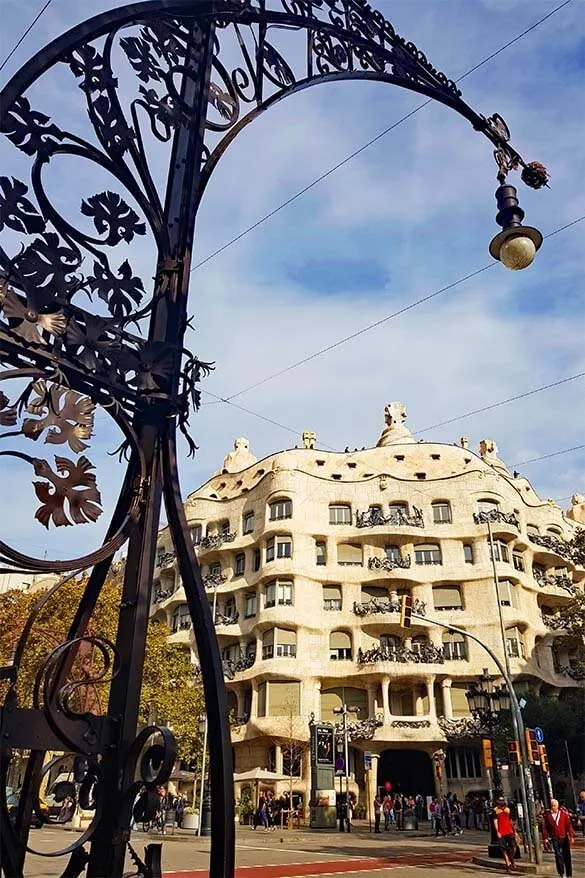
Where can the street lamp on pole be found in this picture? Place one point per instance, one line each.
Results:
(486, 702)
(343, 711)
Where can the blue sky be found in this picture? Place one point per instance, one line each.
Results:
(409, 215)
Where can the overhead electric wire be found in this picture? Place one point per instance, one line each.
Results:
(495, 405)
(382, 320)
(546, 456)
(24, 35)
(373, 140)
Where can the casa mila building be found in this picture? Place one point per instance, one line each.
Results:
(306, 554)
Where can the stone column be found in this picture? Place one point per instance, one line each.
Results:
(419, 707)
(239, 693)
(372, 699)
(430, 683)
(278, 758)
(447, 705)
(372, 787)
(385, 701)
(407, 642)
(254, 704)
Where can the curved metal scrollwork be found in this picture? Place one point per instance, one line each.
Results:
(81, 331)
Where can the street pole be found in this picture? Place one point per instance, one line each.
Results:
(526, 787)
(570, 773)
(346, 757)
(202, 790)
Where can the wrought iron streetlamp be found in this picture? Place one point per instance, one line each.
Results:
(486, 702)
(166, 86)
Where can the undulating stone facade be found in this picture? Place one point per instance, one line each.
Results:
(307, 553)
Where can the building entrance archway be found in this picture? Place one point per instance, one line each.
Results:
(409, 771)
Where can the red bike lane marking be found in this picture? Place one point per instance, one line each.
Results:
(335, 867)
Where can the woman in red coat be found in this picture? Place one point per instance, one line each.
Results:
(558, 827)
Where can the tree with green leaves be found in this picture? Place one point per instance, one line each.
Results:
(169, 694)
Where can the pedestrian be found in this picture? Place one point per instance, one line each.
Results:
(432, 810)
(506, 832)
(558, 827)
(398, 811)
(466, 810)
(456, 812)
(180, 810)
(581, 810)
(446, 814)
(439, 818)
(387, 806)
(377, 813)
(477, 810)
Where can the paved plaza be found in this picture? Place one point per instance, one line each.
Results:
(289, 854)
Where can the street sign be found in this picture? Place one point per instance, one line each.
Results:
(367, 761)
(539, 735)
(340, 764)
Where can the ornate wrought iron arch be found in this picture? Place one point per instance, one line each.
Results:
(67, 358)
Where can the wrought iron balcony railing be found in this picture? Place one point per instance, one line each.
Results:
(361, 729)
(375, 518)
(553, 544)
(162, 594)
(229, 619)
(461, 728)
(424, 654)
(214, 579)
(182, 625)
(555, 623)
(389, 564)
(377, 605)
(410, 723)
(577, 674)
(216, 541)
(556, 580)
(233, 666)
(165, 558)
(496, 516)
(239, 719)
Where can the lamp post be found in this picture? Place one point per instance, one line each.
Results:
(204, 804)
(343, 711)
(486, 702)
(161, 97)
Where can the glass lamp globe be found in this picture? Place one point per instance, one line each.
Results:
(517, 252)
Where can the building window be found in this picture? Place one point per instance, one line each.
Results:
(215, 569)
(257, 561)
(230, 653)
(250, 604)
(279, 593)
(393, 553)
(281, 546)
(340, 646)
(500, 551)
(286, 645)
(349, 556)
(515, 643)
(468, 553)
(418, 642)
(339, 514)
(196, 533)
(442, 512)
(181, 619)
(229, 609)
(224, 527)
(240, 564)
(279, 698)
(332, 597)
(373, 593)
(447, 597)
(487, 506)
(532, 529)
(518, 559)
(320, 553)
(428, 554)
(462, 762)
(554, 530)
(248, 523)
(280, 509)
(398, 510)
(454, 647)
(508, 592)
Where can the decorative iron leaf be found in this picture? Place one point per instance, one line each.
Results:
(111, 125)
(7, 415)
(113, 215)
(28, 323)
(77, 486)
(222, 101)
(94, 345)
(119, 292)
(140, 56)
(67, 415)
(16, 211)
(275, 64)
(29, 130)
(47, 268)
(164, 42)
(87, 62)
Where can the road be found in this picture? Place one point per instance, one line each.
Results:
(299, 854)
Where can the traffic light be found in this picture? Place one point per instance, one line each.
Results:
(514, 753)
(406, 611)
(488, 753)
(532, 746)
(543, 758)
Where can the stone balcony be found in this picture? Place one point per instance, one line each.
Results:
(389, 564)
(213, 580)
(231, 667)
(554, 580)
(496, 516)
(377, 605)
(216, 541)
